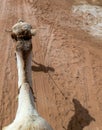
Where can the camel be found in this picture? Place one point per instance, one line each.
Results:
(27, 117)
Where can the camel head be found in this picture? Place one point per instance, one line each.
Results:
(22, 31)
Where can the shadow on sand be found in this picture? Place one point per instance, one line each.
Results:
(40, 67)
(81, 118)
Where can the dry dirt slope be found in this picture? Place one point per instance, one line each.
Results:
(67, 82)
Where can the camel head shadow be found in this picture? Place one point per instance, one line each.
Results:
(81, 118)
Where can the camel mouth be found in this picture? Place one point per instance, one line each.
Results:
(22, 31)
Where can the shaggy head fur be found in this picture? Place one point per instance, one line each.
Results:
(22, 31)
(22, 35)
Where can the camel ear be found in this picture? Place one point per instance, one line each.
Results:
(33, 32)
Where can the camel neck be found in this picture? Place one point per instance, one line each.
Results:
(24, 67)
(26, 98)
(26, 105)
(27, 57)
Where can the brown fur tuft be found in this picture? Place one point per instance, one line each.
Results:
(22, 35)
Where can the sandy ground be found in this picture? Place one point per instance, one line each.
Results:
(67, 79)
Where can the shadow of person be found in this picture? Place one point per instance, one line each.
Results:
(39, 67)
(81, 118)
